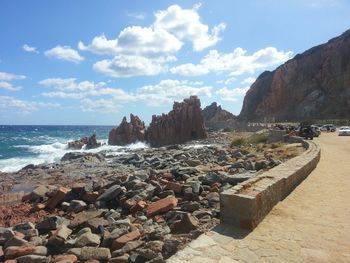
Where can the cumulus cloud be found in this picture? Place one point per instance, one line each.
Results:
(29, 49)
(7, 102)
(4, 76)
(128, 66)
(235, 63)
(147, 50)
(70, 88)
(232, 94)
(138, 16)
(6, 81)
(64, 53)
(8, 86)
(166, 91)
(248, 81)
(185, 24)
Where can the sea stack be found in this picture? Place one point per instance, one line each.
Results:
(126, 132)
(184, 123)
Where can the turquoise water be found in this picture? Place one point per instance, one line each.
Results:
(23, 145)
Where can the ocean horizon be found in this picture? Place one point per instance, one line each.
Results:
(21, 145)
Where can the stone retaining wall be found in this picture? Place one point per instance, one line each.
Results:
(246, 204)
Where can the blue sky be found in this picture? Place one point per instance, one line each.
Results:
(92, 62)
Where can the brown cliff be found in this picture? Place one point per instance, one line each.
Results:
(126, 132)
(183, 123)
(312, 85)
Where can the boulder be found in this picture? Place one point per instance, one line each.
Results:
(161, 206)
(90, 143)
(126, 132)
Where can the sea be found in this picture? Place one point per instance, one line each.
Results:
(32, 144)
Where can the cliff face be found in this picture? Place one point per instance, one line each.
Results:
(214, 113)
(312, 85)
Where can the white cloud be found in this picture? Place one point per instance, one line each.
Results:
(64, 53)
(128, 66)
(4, 76)
(30, 49)
(138, 16)
(69, 88)
(228, 81)
(7, 78)
(235, 63)
(185, 24)
(147, 50)
(232, 94)
(248, 81)
(166, 91)
(101, 105)
(7, 102)
(8, 86)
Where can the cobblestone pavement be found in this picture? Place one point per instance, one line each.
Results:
(311, 225)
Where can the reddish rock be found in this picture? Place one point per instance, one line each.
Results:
(214, 113)
(14, 251)
(37, 207)
(161, 206)
(90, 143)
(126, 132)
(90, 197)
(121, 241)
(183, 123)
(57, 198)
(140, 205)
(176, 187)
(65, 258)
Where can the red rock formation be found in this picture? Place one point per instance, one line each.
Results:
(312, 85)
(126, 132)
(183, 123)
(90, 143)
(214, 113)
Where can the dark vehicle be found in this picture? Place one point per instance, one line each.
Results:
(306, 131)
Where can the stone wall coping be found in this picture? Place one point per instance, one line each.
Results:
(246, 204)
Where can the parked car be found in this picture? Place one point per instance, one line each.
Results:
(316, 130)
(329, 128)
(344, 131)
(306, 131)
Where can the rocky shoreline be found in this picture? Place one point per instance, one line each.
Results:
(141, 206)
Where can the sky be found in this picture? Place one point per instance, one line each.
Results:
(91, 62)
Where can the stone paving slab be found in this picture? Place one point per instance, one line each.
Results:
(311, 225)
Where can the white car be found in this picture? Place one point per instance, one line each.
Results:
(344, 131)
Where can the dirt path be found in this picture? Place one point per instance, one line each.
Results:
(311, 225)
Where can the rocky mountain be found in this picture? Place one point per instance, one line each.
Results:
(214, 113)
(312, 85)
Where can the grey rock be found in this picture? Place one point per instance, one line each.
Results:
(32, 259)
(15, 241)
(100, 253)
(51, 223)
(185, 225)
(190, 206)
(5, 234)
(128, 247)
(88, 239)
(77, 206)
(110, 193)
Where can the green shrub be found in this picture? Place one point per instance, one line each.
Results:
(238, 141)
(257, 138)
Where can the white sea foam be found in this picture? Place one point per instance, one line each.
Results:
(50, 153)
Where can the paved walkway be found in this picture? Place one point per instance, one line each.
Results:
(311, 225)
